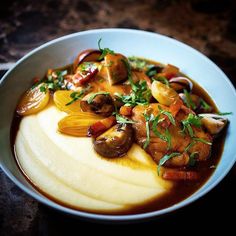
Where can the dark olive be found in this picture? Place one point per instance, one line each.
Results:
(101, 104)
(115, 142)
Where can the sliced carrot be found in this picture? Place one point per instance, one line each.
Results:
(177, 175)
(101, 126)
(126, 111)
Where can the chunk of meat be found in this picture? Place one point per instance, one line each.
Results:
(158, 147)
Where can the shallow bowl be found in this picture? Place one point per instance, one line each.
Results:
(62, 51)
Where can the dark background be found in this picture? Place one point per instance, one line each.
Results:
(207, 25)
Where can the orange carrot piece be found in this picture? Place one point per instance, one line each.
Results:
(177, 175)
(101, 126)
(126, 111)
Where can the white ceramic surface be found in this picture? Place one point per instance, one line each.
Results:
(153, 46)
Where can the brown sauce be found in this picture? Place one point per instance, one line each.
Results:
(181, 189)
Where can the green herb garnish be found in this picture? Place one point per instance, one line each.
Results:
(162, 79)
(140, 95)
(43, 88)
(155, 123)
(168, 138)
(123, 120)
(189, 146)
(90, 99)
(192, 159)
(147, 120)
(225, 113)
(104, 51)
(165, 158)
(189, 102)
(202, 140)
(137, 63)
(205, 105)
(191, 120)
(168, 114)
(77, 95)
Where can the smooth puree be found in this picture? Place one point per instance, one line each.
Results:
(68, 169)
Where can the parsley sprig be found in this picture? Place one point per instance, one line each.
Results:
(104, 51)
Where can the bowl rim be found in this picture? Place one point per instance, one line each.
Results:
(131, 217)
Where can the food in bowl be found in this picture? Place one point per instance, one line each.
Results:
(117, 135)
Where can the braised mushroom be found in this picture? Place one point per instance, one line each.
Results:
(116, 68)
(100, 103)
(213, 123)
(181, 83)
(115, 142)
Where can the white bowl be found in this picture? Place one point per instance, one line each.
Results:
(153, 46)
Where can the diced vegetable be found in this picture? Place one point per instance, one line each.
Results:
(101, 126)
(126, 110)
(34, 100)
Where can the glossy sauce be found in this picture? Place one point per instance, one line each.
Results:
(181, 189)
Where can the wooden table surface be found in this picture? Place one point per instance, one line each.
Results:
(207, 27)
